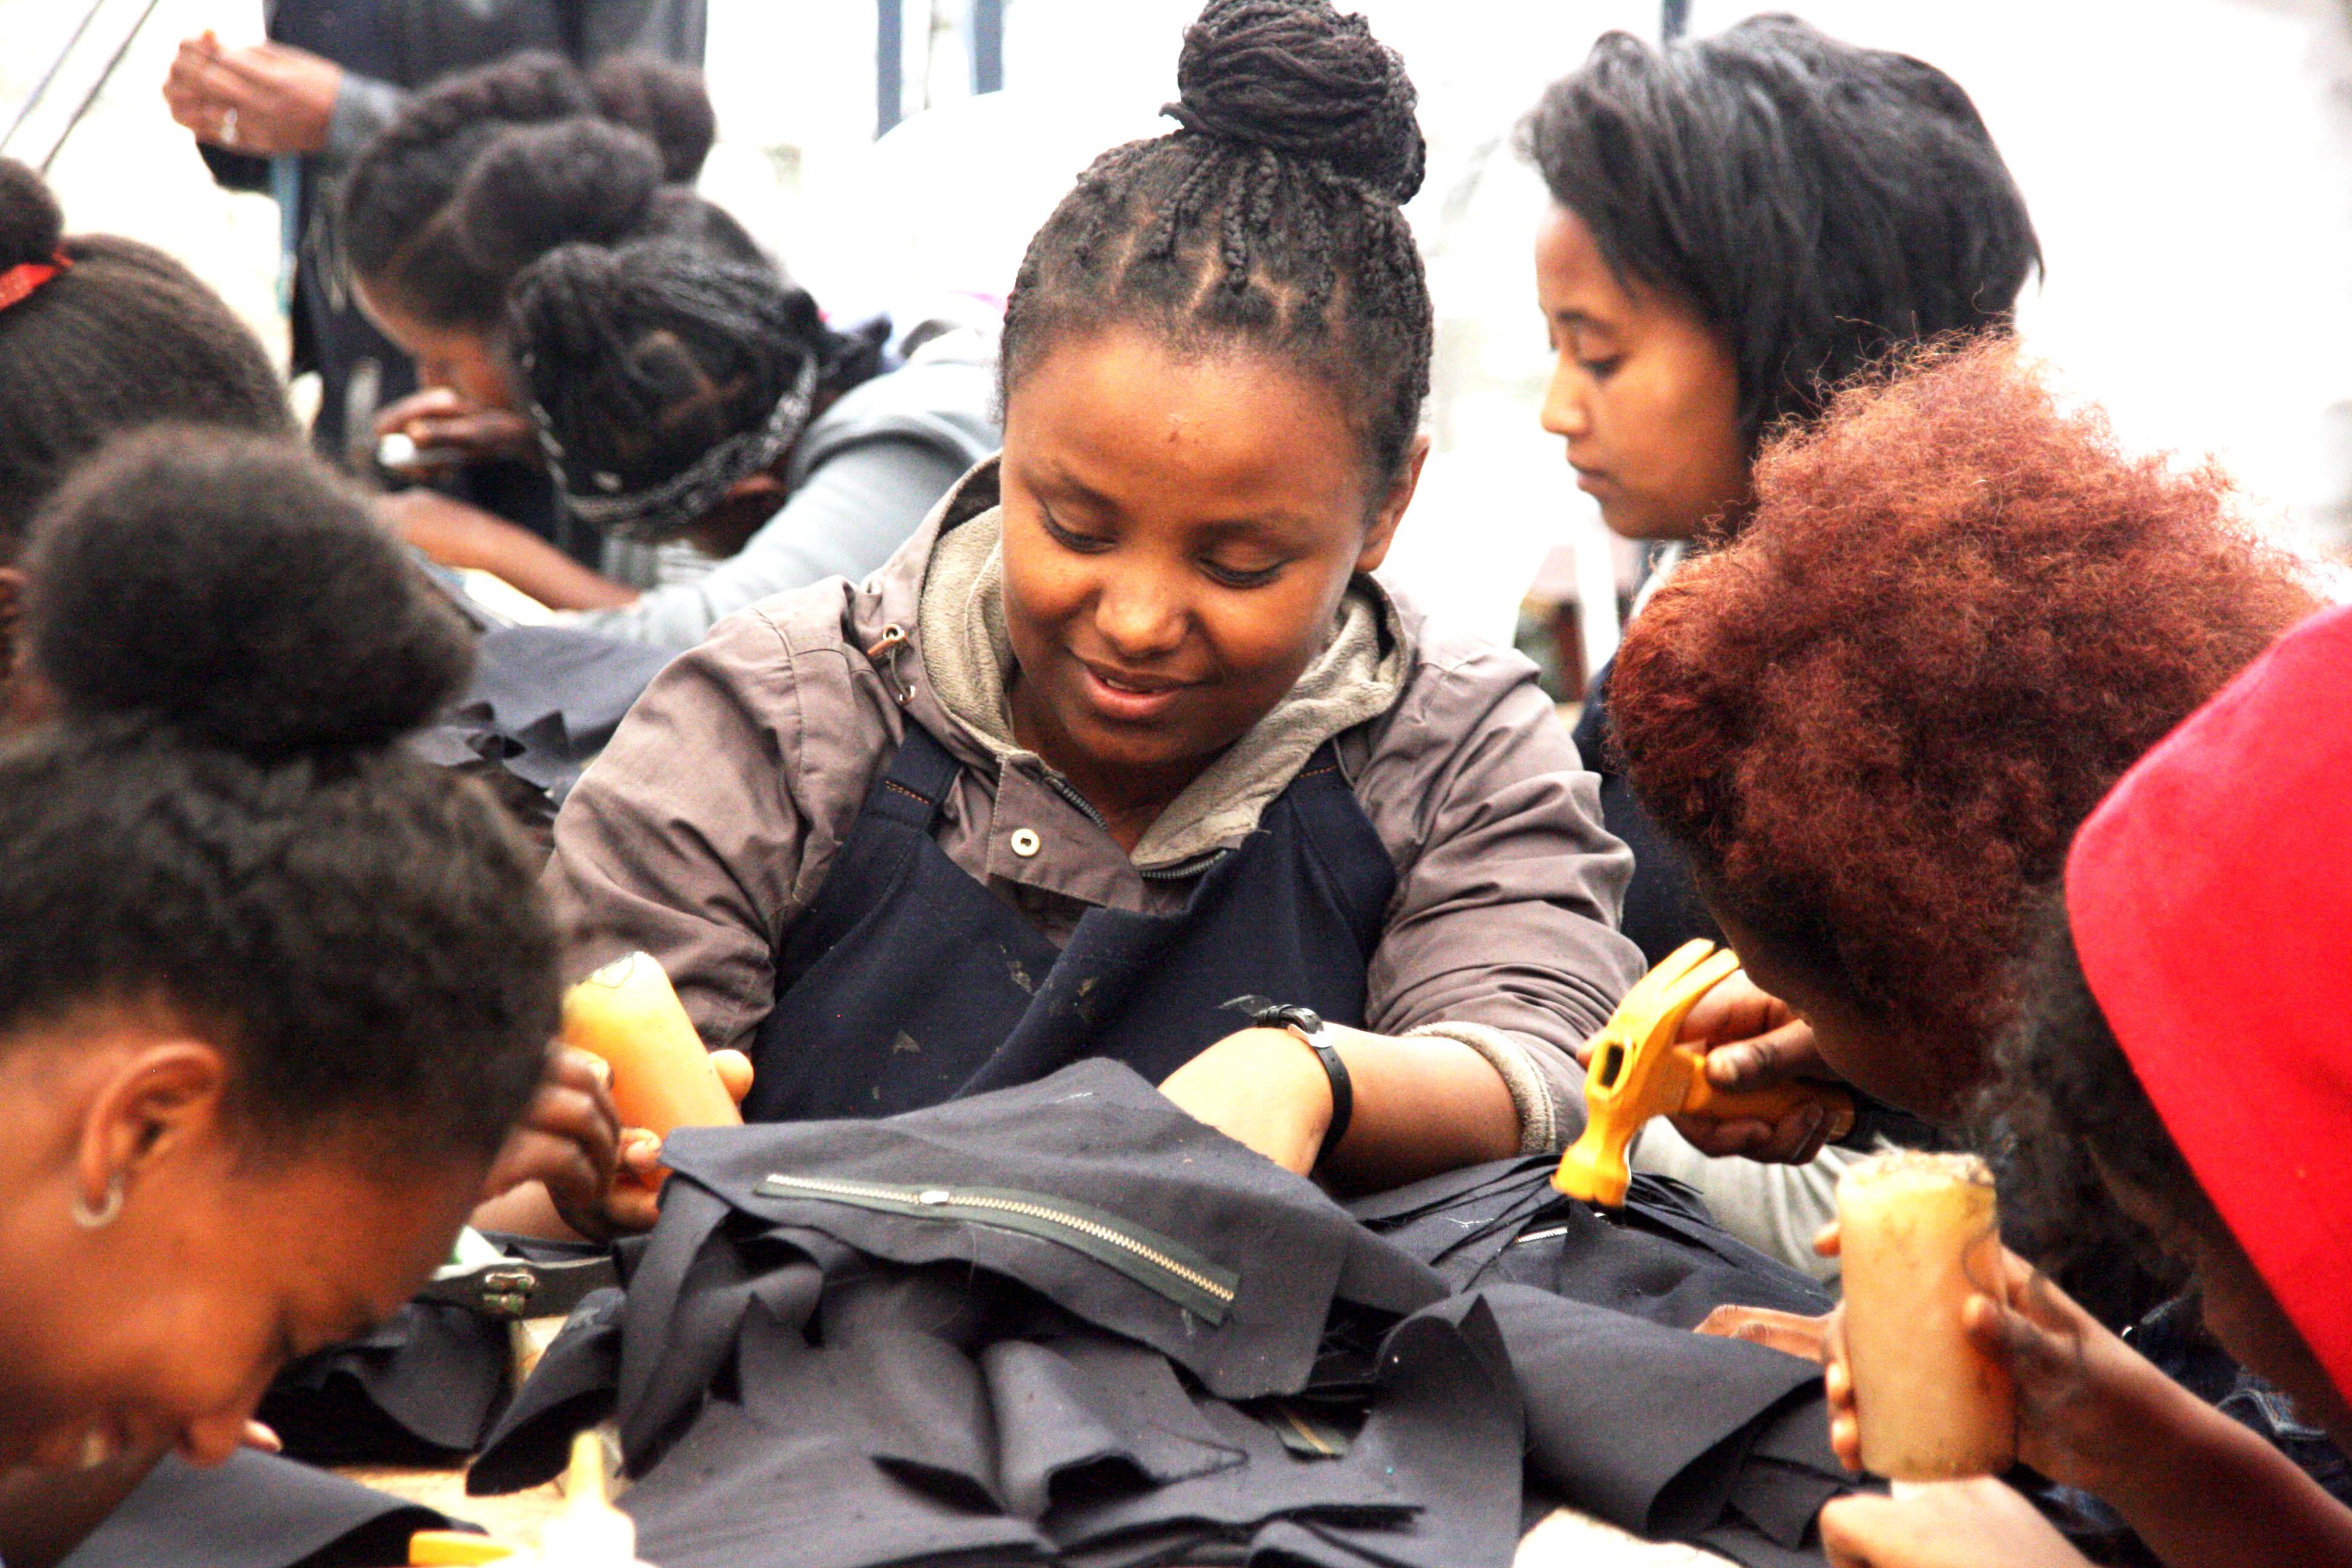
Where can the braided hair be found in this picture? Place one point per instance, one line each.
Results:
(660, 368)
(487, 171)
(1271, 216)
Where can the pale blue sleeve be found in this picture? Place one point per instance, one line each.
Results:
(845, 519)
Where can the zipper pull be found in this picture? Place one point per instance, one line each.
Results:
(883, 657)
(935, 1196)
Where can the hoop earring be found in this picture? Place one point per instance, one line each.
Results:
(99, 1218)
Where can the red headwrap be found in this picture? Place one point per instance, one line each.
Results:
(2210, 899)
(20, 280)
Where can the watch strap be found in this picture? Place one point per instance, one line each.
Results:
(1307, 1025)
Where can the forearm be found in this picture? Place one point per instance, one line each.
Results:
(1423, 1105)
(463, 536)
(2215, 1495)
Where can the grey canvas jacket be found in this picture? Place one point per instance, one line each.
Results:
(710, 821)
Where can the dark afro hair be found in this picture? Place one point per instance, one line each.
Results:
(196, 574)
(1820, 205)
(218, 825)
(124, 338)
(483, 173)
(2064, 1102)
(1876, 718)
(1270, 218)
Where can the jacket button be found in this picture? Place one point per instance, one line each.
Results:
(1024, 842)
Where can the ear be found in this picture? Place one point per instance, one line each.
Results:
(1382, 532)
(165, 1099)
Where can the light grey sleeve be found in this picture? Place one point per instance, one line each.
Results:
(844, 521)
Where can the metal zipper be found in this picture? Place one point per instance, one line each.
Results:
(1164, 1265)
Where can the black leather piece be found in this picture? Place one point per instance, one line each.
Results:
(958, 1390)
(421, 1389)
(257, 1510)
(738, 1493)
(575, 1387)
(1093, 1128)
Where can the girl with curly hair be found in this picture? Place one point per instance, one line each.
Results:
(1960, 612)
(2178, 1063)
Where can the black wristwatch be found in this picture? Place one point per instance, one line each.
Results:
(1307, 1025)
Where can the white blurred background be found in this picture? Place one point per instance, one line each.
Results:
(2188, 164)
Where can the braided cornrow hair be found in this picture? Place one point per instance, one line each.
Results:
(1271, 214)
(642, 359)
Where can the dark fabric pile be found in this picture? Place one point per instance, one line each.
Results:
(1067, 1322)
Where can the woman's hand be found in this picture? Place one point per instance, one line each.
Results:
(570, 1158)
(1753, 1041)
(2090, 1409)
(1263, 1088)
(448, 430)
(266, 99)
(464, 536)
(1807, 1338)
(1943, 1524)
(569, 1140)
(634, 1203)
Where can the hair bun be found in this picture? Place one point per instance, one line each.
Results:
(1298, 77)
(668, 102)
(31, 222)
(539, 186)
(232, 586)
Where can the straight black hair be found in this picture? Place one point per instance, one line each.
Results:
(1820, 205)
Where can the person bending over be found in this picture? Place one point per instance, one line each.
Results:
(694, 405)
(1126, 732)
(476, 177)
(2178, 1064)
(273, 991)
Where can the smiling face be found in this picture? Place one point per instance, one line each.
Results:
(162, 1328)
(1645, 394)
(1178, 530)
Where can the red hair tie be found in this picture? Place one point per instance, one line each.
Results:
(20, 280)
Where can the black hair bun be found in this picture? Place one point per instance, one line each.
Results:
(668, 102)
(537, 186)
(1298, 77)
(31, 222)
(234, 587)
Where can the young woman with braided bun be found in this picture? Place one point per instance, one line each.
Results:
(1127, 733)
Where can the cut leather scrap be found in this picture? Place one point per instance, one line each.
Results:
(255, 1510)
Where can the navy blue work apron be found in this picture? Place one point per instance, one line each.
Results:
(907, 981)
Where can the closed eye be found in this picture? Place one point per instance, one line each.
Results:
(1086, 544)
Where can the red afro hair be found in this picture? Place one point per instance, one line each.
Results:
(1960, 611)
